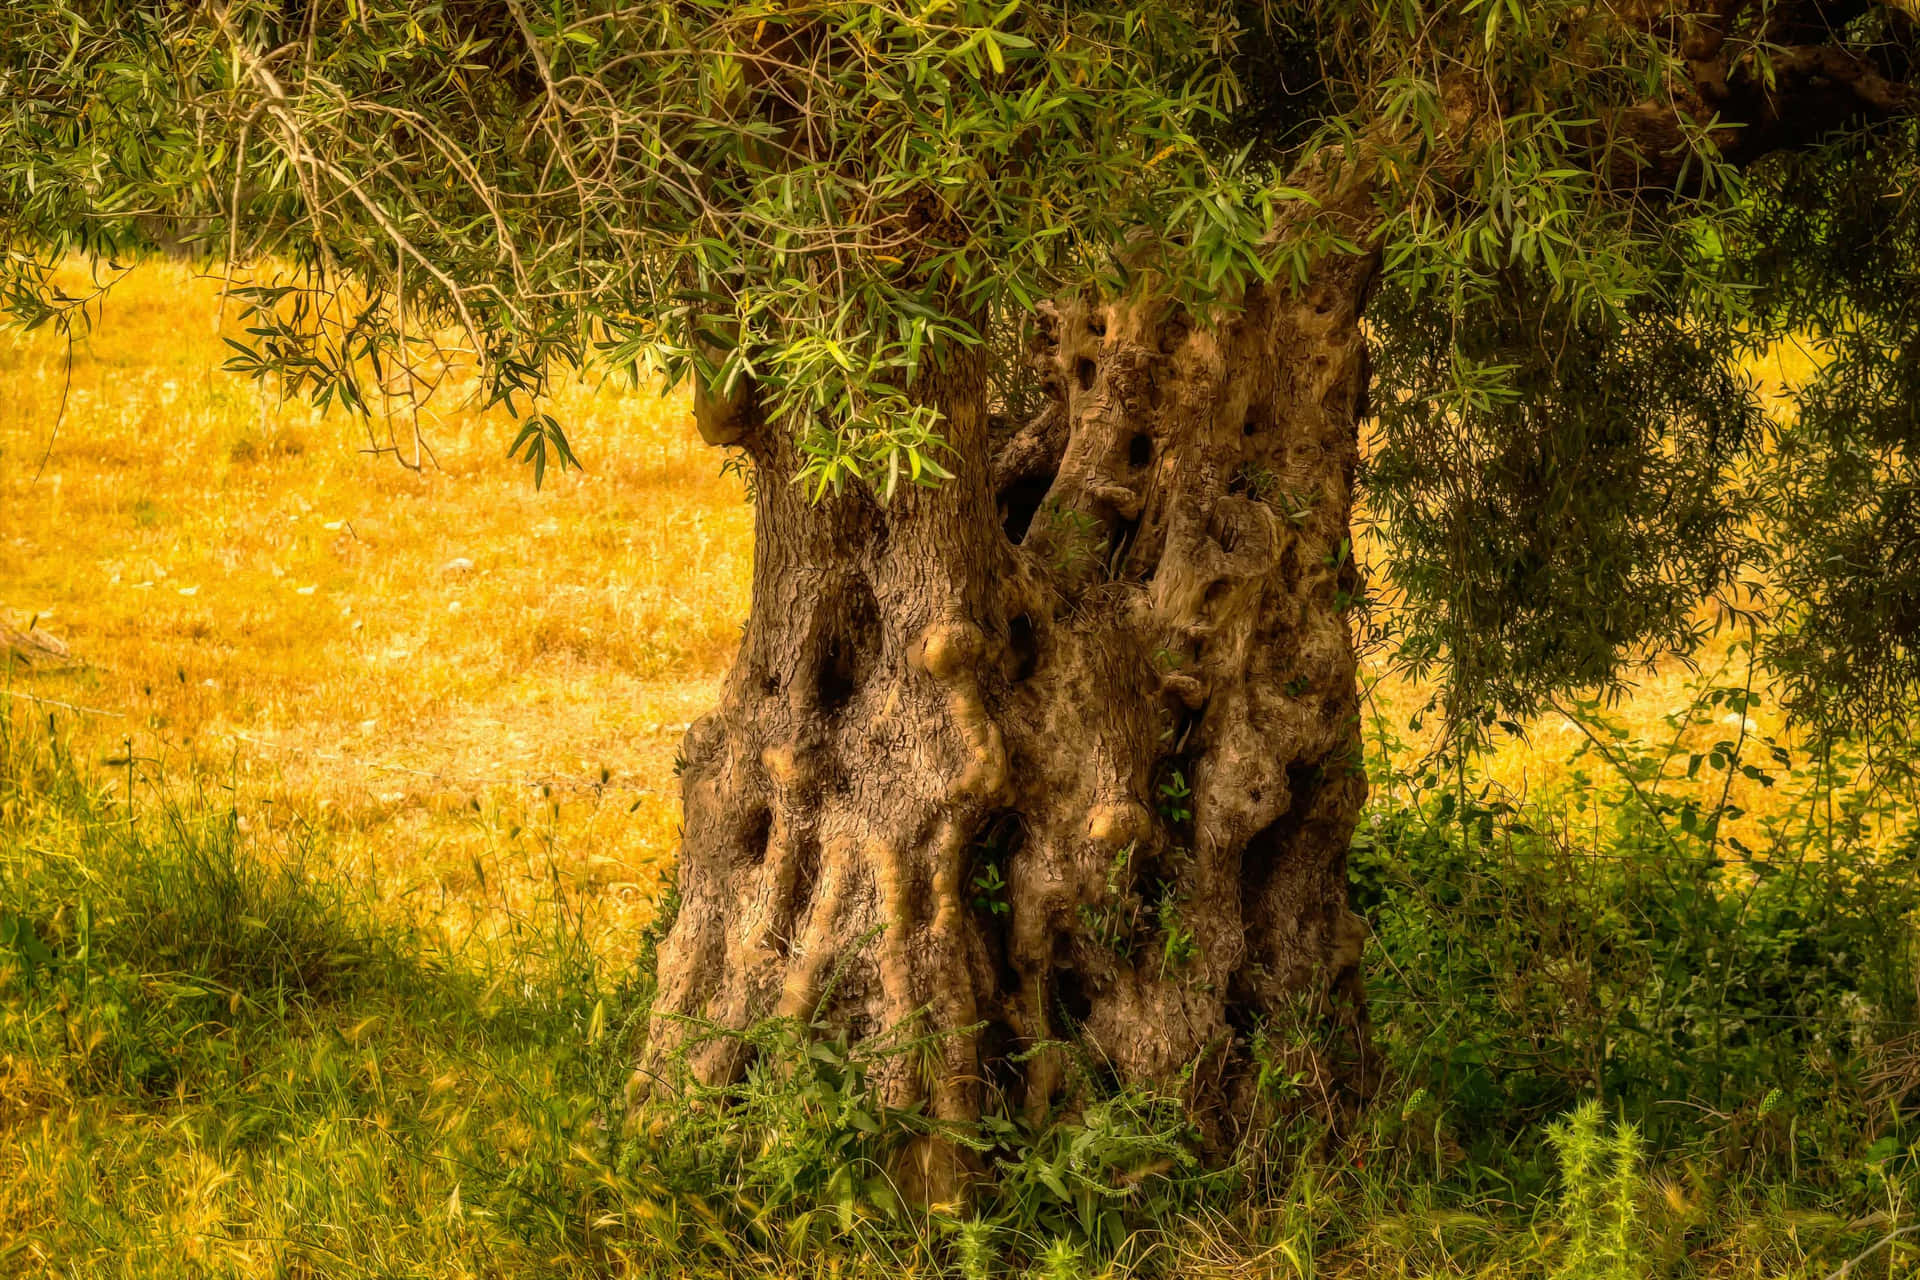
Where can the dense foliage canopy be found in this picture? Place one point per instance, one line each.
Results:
(1587, 218)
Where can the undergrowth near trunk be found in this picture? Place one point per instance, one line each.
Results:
(1615, 1048)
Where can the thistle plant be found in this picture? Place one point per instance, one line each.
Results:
(1600, 1172)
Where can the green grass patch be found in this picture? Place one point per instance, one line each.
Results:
(219, 1057)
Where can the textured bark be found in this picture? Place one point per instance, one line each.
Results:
(1759, 77)
(1015, 673)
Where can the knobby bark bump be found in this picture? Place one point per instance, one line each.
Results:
(1060, 757)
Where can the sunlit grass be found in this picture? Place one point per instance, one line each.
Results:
(421, 662)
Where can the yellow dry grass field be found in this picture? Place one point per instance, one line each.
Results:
(459, 678)
(469, 684)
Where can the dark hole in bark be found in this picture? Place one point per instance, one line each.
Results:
(838, 676)
(1000, 837)
(1140, 450)
(1097, 323)
(1020, 501)
(758, 832)
(1174, 334)
(1070, 993)
(1270, 845)
(1022, 645)
(806, 877)
(1119, 542)
(849, 651)
(1290, 564)
(1083, 373)
(988, 896)
(1189, 721)
(998, 1045)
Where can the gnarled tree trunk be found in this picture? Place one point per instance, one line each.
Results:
(1065, 749)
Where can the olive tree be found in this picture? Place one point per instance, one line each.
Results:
(1045, 333)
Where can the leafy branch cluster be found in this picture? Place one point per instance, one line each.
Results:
(825, 199)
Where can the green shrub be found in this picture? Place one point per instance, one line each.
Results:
(1611, 940)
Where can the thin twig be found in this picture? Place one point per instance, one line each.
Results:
(65, 706)
(59, 415)
(1619, 768)
(1885, 1240)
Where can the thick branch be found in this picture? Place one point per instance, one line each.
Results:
(1784, 81)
